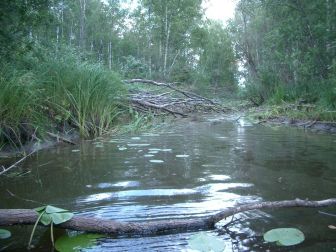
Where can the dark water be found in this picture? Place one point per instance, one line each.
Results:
(199, 168)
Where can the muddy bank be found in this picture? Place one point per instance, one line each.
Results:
(51, 139)
(315, 126)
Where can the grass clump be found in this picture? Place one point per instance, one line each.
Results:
(57, 93)
(19, 103)
(84, 96)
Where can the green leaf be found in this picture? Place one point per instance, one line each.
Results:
(53, 214)
(284, 236)
(59, 218)
(76, 243)
(206, 242)
(40, 209)
(52, 209)
(45, 219)
(4, 234)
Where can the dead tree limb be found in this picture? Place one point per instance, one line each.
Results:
(58, 138)
(161, 107)
(10, 217)
(169, 85)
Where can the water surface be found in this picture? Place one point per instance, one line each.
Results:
(193, 169)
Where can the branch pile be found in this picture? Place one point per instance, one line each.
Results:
(10, 217)
(168, 99)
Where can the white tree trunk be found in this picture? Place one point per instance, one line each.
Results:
(82, 4)
(167, 28)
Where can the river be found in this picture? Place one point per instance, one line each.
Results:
(188, 170)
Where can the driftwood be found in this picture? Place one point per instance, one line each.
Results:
(10, 217)
(61, 138)
(180, 104)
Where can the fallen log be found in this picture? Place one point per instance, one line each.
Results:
(9, 217)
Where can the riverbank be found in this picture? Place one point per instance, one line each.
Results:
(305, 116)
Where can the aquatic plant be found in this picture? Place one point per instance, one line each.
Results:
(284, 236)
(50, 215)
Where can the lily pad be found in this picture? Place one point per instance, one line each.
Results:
(284, 236)
(76, 243)
(4, 234)
(206, 242)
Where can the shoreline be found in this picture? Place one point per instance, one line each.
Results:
(74, 138)
(311, 125)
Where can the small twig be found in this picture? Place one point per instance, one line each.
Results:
(16, 163)
(28, 200)
(325, 213)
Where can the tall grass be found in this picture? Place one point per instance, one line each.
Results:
(85, 95)
(19, 117)
(64, 92)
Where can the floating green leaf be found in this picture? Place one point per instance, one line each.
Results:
(40, 209)
(59, 218)
(53, 214)
(284, 236)
(45, 219)
(206, 242)
(4, 234)
(76, 243)
(51, 209)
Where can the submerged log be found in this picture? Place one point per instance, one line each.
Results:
(10, 217)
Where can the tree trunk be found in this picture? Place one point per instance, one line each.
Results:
(9, 217)
(82, 5)
(110, 54)
(167, 29)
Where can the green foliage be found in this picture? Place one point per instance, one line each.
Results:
(84, 95)
(217, 60)
(287, 49)
(50, 215)
(284, 236)
(76, 243)
(53, 214)
(62, 90)
(4, 234)
(133, 67)
(19, 104)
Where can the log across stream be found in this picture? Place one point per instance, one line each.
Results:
(10, 217)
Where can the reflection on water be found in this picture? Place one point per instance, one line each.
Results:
(196, 169)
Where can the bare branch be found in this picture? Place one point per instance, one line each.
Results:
(10, 217)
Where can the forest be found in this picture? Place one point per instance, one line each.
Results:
(160, 128)
(63, 62)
